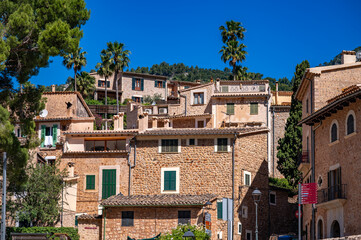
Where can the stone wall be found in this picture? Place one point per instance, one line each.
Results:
(90, 229)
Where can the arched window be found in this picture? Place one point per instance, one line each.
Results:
(350, 123)
(335, 229)
(334, 132)
(320, 229)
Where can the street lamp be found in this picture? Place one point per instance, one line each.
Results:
(188, 235)
(256, 194)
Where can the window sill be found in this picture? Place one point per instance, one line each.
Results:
(170, 192)
(198, 104)
(333, 143)
(169, 152)
(222, 151)
(350, 135)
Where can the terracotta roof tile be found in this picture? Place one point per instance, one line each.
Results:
(345, 92)
(158, 200)
(130, 131)
(89, 216)
(201, 131)
(240, 94)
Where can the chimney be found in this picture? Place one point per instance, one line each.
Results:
(143, 122)
(348, 57)
(53, 88)
(118, 121)
(276, 97)
(71, 169)
(218, 84)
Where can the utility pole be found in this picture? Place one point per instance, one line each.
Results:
(3, 210)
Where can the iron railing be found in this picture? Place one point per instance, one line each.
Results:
(332, 193)
(109, 109)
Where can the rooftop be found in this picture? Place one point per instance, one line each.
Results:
(202, 131)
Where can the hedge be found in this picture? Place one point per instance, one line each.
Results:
(72, 232)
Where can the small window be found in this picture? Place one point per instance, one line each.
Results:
(170, 180)
(200, 124)
(222, 144)
(272, 198)
(186, 87)
(350, 124)
(90, 182)
(224, 89)
(198, 98)
(248, 235)
(254, 108)
(138, 84)
(220, 210)
(169, 146)
(184, 217)
(244, 211)
(76, 221)
(192, 142)
(230, 108)
(159, 84)
(127, 218)
(247, 178)
(307, 106)
(334, 132)
(239, 229)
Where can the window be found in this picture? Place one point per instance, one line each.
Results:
(90, 182)
(248, 235)
(244, 211)
(334, 132)
(105, 145)
(201, 124)
(334, 184)
(127, 218)
(350, 123)
(262, 88)
(159, 84)
(76, 220)
(169, 146)
(224, 89)
(138, 84)
(254, 108)
(247, 178)
(186, 87)
(272, 198)
(230, 108)
(109, 183)
(170, 180)
(101, 83)
(239, 229)
(191, 142)
(184, 217)
(222, 144)
(220, 209)
(137, 99)
(49, 135)
(198, 98)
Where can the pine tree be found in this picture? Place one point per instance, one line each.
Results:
(290, 146)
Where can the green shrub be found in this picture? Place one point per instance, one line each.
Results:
(177, 233)
(71, 232)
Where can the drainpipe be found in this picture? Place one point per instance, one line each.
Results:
(268, 126)
(273, 141)
(105, 217)
(185, 103)
(233, 163)
(130, 164)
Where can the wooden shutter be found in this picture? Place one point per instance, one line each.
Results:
(109, 183)
(230, 108)
(133, 83)
(142, 84)
(55, 132)
(169, 180)
(156, 83)
(219, 210)
(90, 182)
(254, 108)
(43, 127)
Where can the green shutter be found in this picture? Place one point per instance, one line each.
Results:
(133, 83)
(169, 180)
(99, 83)
(163, 84)
(109, 183)
(141, 100)
(254, 108)
(90, 182)
(76, 221)
(43, 127)
(230, 108)
(133, 98)
(55, 132)
(156, 83)
(219, 210)
(142, 84)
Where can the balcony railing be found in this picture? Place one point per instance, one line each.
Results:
(304, 157)
(332, 193)
(109, 109)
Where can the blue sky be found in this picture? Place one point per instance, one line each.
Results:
(280, 34)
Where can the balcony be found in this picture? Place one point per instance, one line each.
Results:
(303, 161)
(109, 109)
(332, 197)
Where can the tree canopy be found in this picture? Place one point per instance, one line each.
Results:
(75, 60)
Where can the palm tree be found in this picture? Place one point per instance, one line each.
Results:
(119, 61)
(76, 61)
(232, 32)
(234, 53)
(104, 70)
(85, 83)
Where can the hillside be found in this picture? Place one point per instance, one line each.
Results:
(337, 60)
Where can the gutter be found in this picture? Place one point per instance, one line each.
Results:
(185, 103)
(105, 217)
(152, 205)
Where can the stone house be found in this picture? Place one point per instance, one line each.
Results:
(318, 85)
(337, 158)
(132, 86)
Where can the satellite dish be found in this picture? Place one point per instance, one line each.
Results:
(358, 56)
(43, 113)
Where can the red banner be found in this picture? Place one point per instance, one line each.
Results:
(309, 193)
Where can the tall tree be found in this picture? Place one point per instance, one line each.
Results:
(119, 61)
(104, 70)
(290, 146)
(85, 83)
(75, 60)
(233, 51)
